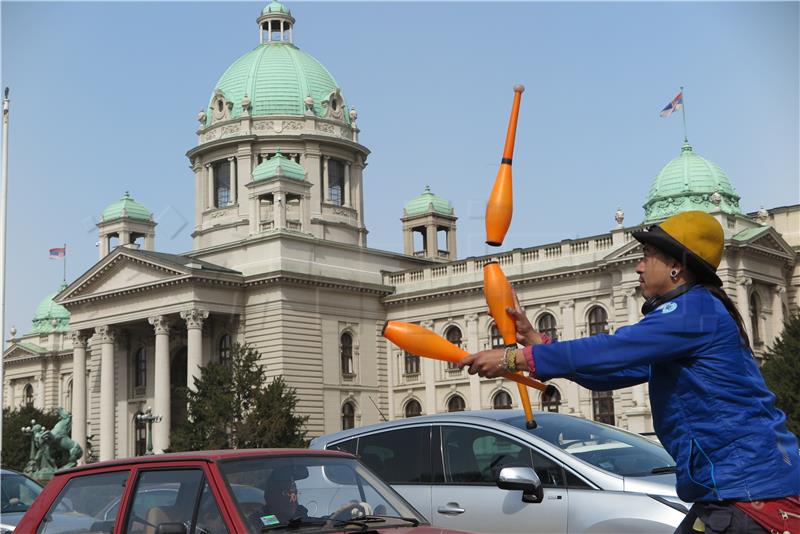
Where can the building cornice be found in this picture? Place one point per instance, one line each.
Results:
(284, 277)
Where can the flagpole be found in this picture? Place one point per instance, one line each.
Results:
(65, 263)
(3, 219)
(683, 113)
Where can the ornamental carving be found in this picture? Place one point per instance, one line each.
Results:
(210, 136)
(324, 127)
(345, 132)
(334, 105)
(262, 126)
(232, 129)
(292, 125)
(78, 339)
(194, 318)
(217, 214)
(341, 211)
(104, 334)
(160, 324)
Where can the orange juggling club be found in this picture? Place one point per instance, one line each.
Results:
(501, 204)
(418, 340)
(499, 297)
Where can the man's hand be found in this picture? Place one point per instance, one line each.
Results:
(526, 335)
(488, 363)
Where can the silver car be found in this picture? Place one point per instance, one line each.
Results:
(485, 471)
(18, 493)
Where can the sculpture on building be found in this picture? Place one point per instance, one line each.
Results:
(46, 446)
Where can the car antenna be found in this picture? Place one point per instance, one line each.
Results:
(376, 407)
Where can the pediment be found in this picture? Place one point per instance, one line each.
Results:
(17, 351)
(630, 250)
(117, 272)
(766, 240)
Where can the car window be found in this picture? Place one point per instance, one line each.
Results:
(164, 496)
(401, 456)
(476, 456)
(209, 518)
(87, 497)
(18, 492)
(346, 446)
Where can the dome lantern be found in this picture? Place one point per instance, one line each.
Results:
(275, 24)
(432, 220)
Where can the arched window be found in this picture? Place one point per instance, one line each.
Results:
(603, 406)
(598, 321)
(68, 397)
(547, 325)
(348, 416)
(501, 401)
(453, 335)
(139, 435)
(140, 368)
(413, 408)
(28, 395)
(495, 339)
(222, 183)
(346, 353)
(755, 306)
(456, 404)
(335, 182)
(411, 364)
(225, 349)
(551, 400)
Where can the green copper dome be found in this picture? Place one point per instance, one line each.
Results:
(427, 202)
(279, 165)
(275, 7)
(277, 78)
(690, 182)
(49, 312)
(126, 207)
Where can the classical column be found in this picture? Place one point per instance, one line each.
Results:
(777, 312)
(429, 376)
(451, 244)
(123, 359)
(279, 210)
(743, 302)
(432, 243)
(630, 302)
(347, 184)
(194, 326)
(40, 391)
(105, 337)
(210, 185)
(161, 393)
(573, 390)
(325, 179)
(79, 389)
(233, 181)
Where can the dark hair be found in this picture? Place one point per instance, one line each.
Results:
(731, 307)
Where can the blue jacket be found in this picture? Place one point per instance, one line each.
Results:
(711, 407)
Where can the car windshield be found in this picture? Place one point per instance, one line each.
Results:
(18, 492)
(603, 446)
(273, 492)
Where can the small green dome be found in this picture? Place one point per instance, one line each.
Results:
(275, 7)
(428, 202)
(690, 182)
(126, 207)
(281, 166)
(277, 78)
(47, 312)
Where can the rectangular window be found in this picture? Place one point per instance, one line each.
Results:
(411, 362)
(91, 500)
(603, 407)
(222, 183)
(164, 496)
(335, 182)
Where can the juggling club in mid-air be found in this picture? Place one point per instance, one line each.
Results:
(501, 204)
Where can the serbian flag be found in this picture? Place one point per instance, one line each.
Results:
(58, 253)
(674, 105)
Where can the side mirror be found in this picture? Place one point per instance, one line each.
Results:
(522, 478)
(171, 528)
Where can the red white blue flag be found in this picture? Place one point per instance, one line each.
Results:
(58, 253)
(673, 106)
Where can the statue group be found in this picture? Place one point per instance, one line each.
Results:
(47, 446)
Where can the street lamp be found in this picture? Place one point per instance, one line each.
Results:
(148, 418)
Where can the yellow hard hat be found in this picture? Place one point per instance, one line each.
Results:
(694, 238)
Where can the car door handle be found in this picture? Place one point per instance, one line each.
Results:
(452, 508)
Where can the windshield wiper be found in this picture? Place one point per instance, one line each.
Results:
(363, 521)
(293, 524)
(665, 469)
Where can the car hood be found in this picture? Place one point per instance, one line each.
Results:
(8, 520)
(419, 530)
(653, 484)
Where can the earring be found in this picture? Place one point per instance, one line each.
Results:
(674, 274)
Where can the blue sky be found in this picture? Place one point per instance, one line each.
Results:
(105, 95)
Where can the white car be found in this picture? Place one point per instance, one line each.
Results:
(485, 471)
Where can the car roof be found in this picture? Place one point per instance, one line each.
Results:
(206, 456)
(499, 416)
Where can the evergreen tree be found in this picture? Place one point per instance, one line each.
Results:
(781, 371)
(232, 407)
(16, 444)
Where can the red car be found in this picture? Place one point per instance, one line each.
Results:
(236, 492)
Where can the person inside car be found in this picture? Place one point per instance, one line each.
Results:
(735, 459)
